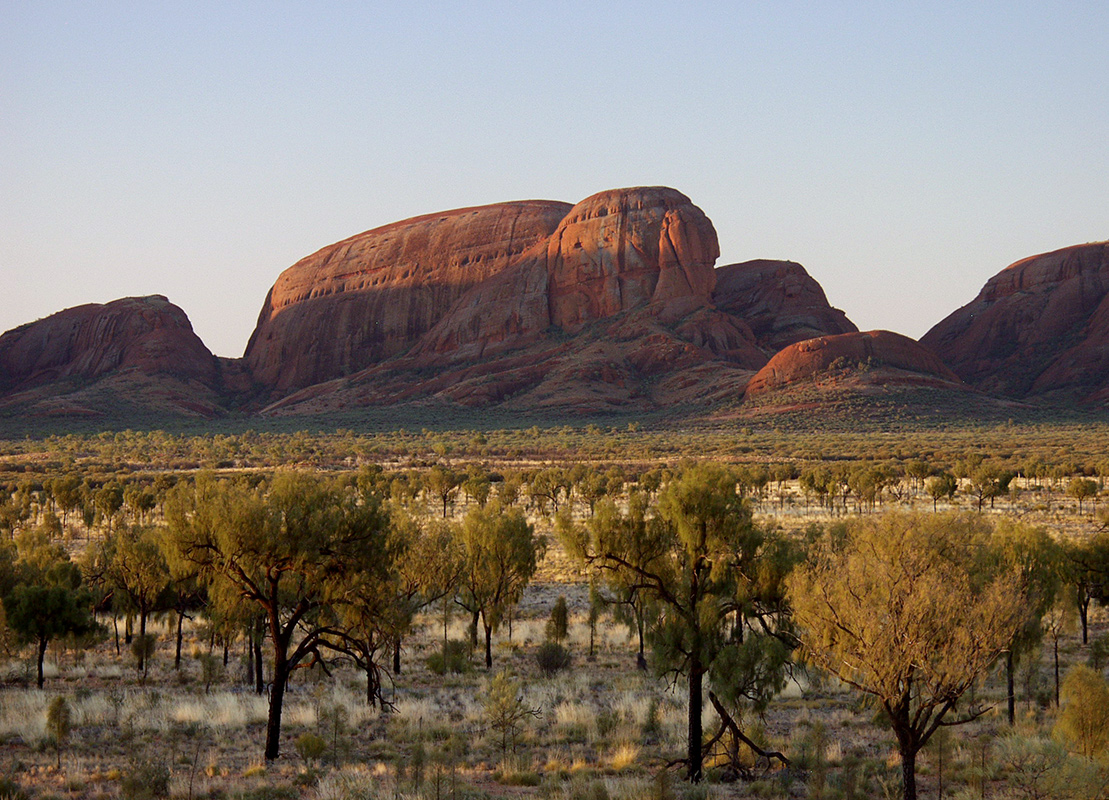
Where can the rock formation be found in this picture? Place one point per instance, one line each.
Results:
(614, 251)
(1038, 329)
(877, 356)
(136, 339)
(610, 303)
(613, 303)
(372, 296)
(779, 301)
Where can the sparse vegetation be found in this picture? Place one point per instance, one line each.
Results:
(778, 726)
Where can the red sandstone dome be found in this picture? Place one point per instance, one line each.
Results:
(374, 295)
(1039, 328)
(143, 334)
(87, 359)
(779, 301)
(893, 357)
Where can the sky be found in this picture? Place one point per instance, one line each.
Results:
(902, 152)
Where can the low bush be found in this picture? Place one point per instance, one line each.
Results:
(454, 658)
(552, 658)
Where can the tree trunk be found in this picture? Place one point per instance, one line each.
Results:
(1056, 671)
(372, 685)
(908, 773)
(695, 733)
(1010, 668)
(488, 646)
(277, 697)
(177, 654)
(1084, 616)
(473, 629)
(396, 656)
(41, 658)
(142, 642)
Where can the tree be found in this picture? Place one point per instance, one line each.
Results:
(1084, 719)
(697, 560)
(501, 554)
(505, 709)
(39, 614)
(558, 626)
(899, 610)
(1033, 555)
(294, 551)
(1082, 489)
(138, 569)
(443, 483)
(1085, 572)
(940, 486)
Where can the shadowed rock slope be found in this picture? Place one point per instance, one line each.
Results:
(1039, 329)
(138, 352)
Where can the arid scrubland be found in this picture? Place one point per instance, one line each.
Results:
(444, 725)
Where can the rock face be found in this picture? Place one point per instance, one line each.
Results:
(143, 334)
(374, 295)
(135, 340)
(889, 357)
(779, 301)
(613, 302)
(1038, 329)
(612, 252)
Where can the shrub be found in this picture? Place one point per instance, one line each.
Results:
(10, 790)
(454, 658)
(310, 747)
(558, 626)
(552, 658)
(145, 781)
(1084, 718)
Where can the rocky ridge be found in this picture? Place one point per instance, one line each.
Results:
(77, 360)
(1039, 329)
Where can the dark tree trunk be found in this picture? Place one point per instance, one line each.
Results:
(1084, 616)
(488, 646)
(1010, 668)
(259, 681)
(396, 656)
(695, 732)
(277, 697)
(142, 642)
(908, 773)
(177, 653)
(41, 658)
(473, 629)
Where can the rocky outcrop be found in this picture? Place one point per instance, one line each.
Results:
(779, 301)
(1038, 329)
(612, 302)
(372, 296)
(614, 251)
(143, 334)
(876, 356)
(134, 342)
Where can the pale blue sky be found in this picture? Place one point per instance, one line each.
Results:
(903, 152)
